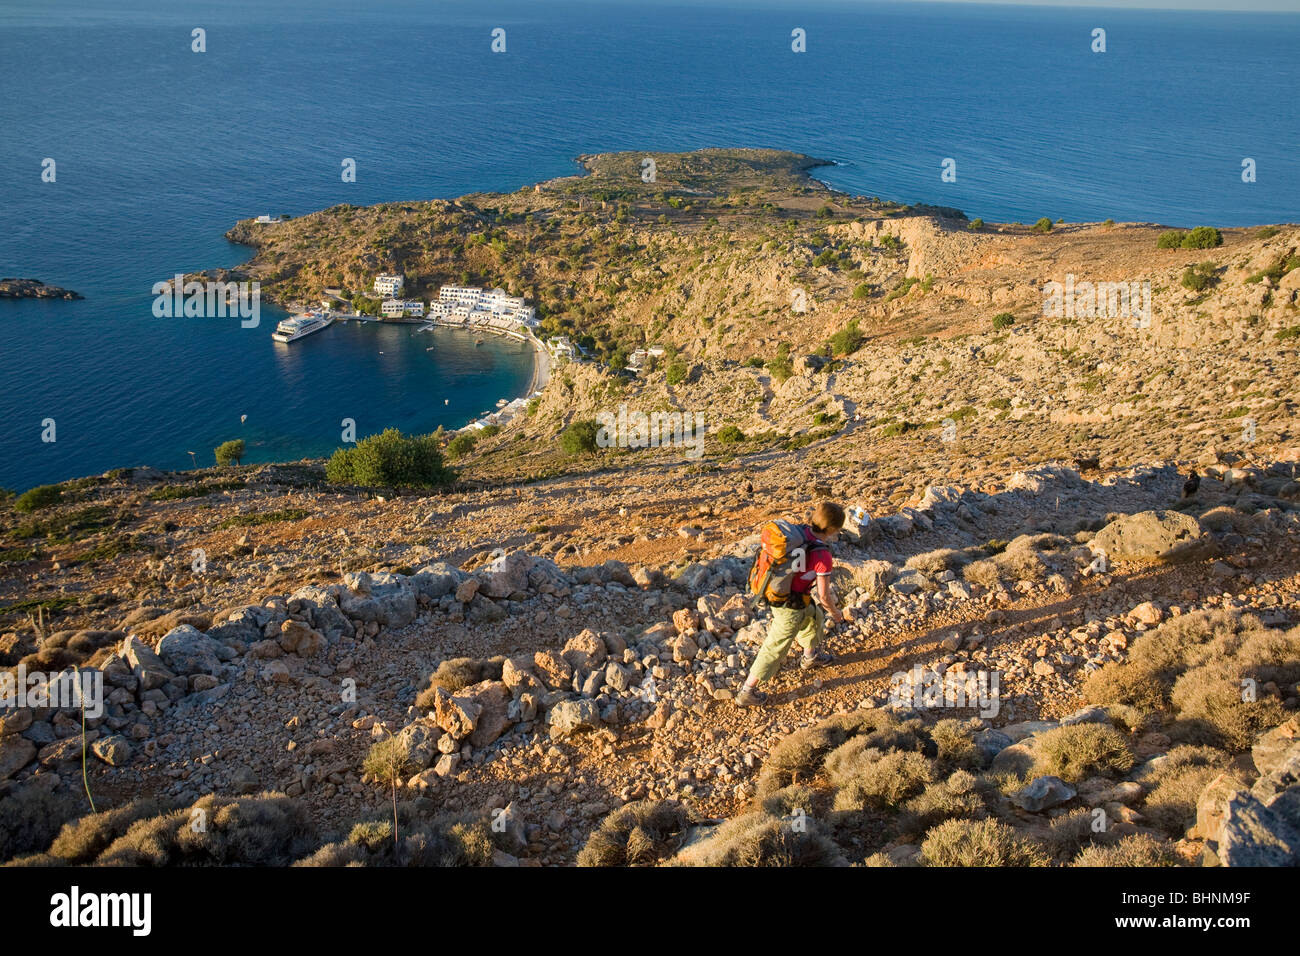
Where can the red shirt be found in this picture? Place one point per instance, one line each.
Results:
(818, 564)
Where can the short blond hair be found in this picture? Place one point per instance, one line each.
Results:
(827, 517)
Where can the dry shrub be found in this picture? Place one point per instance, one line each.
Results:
(1156, 659)
(789, 800)
(962, 795)
(1207, 698)
(452, 675)
(1078, 751)
(938, 560)
(83, 840)
(1020, 565)
(868, 779)
(645, 832)
(1138, 849)
(979, 843)
(799, 756)
(447, 839)
(1070, 833)
(757, 839)
(1177, 782)
(30, 816)
(955, 743)
(985, 573)
(266, 830)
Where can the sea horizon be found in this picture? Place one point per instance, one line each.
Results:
(149, 179)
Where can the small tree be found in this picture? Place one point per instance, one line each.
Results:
(729, 434)
(676, 373)
(1003, 320)
(579, 438)
(1043, 225)
(390, 459)
(461, 445)
(230, 452)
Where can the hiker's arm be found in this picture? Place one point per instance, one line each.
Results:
(826, 595)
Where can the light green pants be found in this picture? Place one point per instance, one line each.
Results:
(807, 625)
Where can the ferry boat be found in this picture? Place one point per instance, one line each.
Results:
(304, 324)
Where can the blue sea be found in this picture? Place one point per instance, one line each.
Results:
(160, 149)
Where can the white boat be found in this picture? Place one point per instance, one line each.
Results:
(292, 329)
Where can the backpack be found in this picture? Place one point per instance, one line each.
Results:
(782, 554)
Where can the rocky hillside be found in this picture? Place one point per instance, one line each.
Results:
(537, 663)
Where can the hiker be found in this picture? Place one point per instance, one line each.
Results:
(791, 558)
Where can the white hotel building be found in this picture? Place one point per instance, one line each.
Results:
(389, 285)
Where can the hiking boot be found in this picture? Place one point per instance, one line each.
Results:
(821, 657)
(750, 697)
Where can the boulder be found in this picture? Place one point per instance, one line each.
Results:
(686, 620)
(457, 715)
(298, 638)
(1043, 793)
(146, 666)
(114, 750)
(1257, 835)
(321, 607)
(420, 741)
(437, 580)
(506, 575)
(519, 678)
(493, 700)
(1272, 747)
(16, 752)
(570, 716)
(381, 597)
(185, 651)
(554, 670)
(584, 651)
(1212, 807)
(1166, 536)
(14, 721)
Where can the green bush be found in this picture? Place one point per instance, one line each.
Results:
(1043, 225)
(975, 225)
(730, 434)
(1202, 237)
(862, 291)
(230, 452)
(1199, 277)
(42, 496)
(461, 445)
(579, 438)
(676, 373)
(847, 340)
(1003, 320)
(390, 459)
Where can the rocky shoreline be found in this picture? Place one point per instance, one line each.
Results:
(34, 289)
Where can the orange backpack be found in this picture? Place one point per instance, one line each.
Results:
(782, 554)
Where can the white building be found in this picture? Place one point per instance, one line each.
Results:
(387, 285)
(561, 348)
(401, 307)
